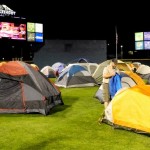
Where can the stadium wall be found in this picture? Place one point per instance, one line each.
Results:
(66, 51)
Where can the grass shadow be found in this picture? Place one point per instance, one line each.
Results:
(68, 102)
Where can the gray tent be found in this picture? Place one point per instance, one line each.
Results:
(97, 75)
(144, 72)
(128, 79)
(23, 89)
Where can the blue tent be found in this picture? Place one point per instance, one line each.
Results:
(75, 76)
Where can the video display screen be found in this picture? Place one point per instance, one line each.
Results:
(14, 31)
(30, 27)
(147, 45)
(31, 36)
(39, 37)
(139, 36)
(34, 32)
(146, 35)
(142, 41)
(39, 27)
(139, 45)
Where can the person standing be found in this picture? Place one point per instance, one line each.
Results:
(109, 71)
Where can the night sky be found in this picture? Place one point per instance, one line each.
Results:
(88, 20)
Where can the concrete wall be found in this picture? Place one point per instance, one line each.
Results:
(67, 50)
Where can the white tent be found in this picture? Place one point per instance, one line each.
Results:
(48, 71)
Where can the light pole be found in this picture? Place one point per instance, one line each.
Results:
(116, 42)
(121, 51)
(108, 51)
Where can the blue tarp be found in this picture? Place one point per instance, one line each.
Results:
(114, 84)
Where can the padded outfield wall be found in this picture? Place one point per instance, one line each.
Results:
(67, 50)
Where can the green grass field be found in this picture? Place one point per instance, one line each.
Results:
(72, 126)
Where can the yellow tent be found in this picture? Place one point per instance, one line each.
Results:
(130, 109)
(136, 77)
